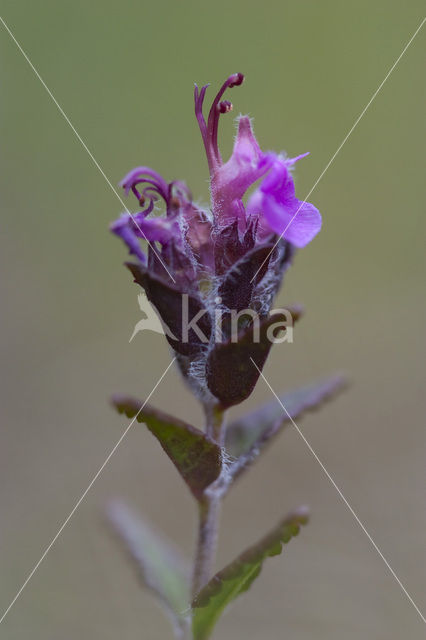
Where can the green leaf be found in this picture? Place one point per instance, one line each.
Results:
(247, 436)
(238, 576)
(161, 568)
(197, 458)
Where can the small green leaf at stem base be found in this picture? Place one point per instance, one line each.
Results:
(238, 576)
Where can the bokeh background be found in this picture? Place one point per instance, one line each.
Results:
(124, 73)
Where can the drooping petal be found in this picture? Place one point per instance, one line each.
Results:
(298, 223)
(123, 230)
(161, 230)
(279, 209)
(130, 228)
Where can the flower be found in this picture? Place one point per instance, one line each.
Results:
(229, 257)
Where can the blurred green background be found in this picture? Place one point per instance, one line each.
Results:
(124, 73)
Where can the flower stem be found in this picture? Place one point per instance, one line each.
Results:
(215, 423)
(209, 510)
(184, 630)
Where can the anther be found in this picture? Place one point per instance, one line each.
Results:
(237, 79)
(225, 106)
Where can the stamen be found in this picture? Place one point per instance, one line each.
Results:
(239, 79)
(144, 175)
(175, 202)
(142, 198)
(213, 121)
(225, 106)
(181, 190)
(209, 130)
(148, 207)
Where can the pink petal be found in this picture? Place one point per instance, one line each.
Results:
(298, 224)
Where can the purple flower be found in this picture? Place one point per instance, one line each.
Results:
(273, 207)
(232, 255)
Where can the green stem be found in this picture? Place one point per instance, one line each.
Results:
(215, 423)
(209, 510)
(184, 631)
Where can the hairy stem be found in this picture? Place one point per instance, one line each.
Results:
(209, 510)
(215, 423)
(184, 630)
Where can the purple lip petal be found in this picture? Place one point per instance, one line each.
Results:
(279, 209)
(298, 223)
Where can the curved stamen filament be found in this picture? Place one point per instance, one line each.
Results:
(209, 130)
(148, 176)
(219, 107)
